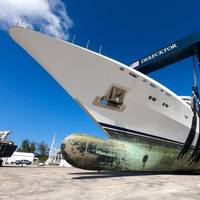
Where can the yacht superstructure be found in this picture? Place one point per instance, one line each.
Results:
(148, 125)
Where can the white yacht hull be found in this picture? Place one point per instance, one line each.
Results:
(87, 76)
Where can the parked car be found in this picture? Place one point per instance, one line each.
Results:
(41, 164)
(23, 162)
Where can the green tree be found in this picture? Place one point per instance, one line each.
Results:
(43, 151)
(24, 147)
(32, 147)
(27, 146)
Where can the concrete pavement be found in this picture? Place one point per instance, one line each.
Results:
(53, 183)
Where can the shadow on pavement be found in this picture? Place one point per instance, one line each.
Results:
(96, 175)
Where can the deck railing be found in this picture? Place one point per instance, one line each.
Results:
(73, 38)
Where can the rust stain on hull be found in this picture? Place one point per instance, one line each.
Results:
(124, 153)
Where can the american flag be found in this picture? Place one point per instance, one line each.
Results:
(135, 64)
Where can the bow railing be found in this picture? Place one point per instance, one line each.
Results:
(73, 38)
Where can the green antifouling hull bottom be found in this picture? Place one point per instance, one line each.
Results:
(125, 153)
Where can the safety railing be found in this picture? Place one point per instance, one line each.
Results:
(73, 38)
(82, 41)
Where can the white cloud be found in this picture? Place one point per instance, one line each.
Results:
(52, 13)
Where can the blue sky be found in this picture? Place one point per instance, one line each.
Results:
(34, 106)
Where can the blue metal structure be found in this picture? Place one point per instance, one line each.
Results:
(176, 51)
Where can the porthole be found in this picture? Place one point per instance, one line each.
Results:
(145, 158)
(169, 95)
(165, 104)
(154, 99)
(152, 85)
(133, 75)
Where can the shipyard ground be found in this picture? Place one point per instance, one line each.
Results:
(53, 183)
